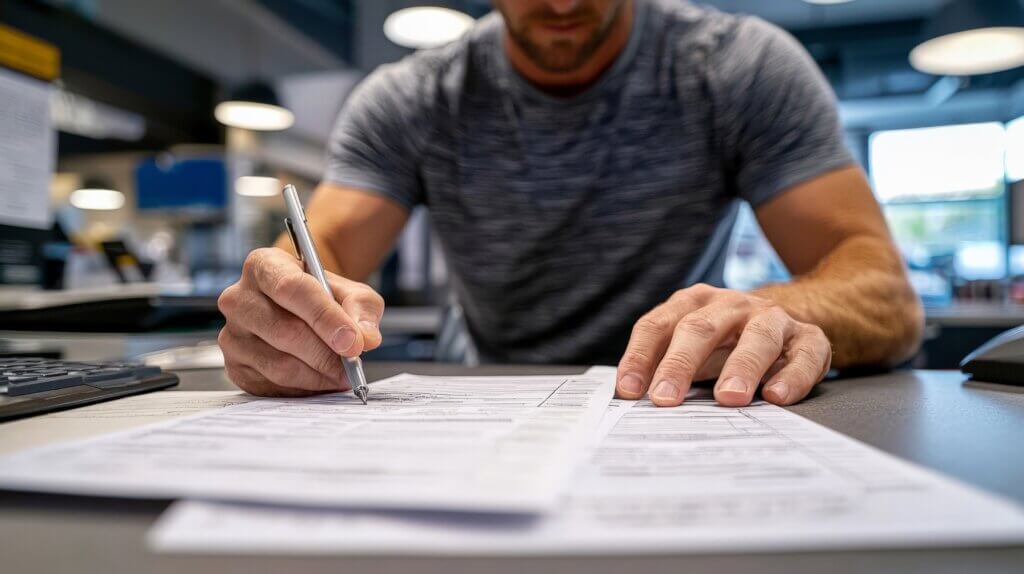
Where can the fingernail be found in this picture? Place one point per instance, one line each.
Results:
(780, 390)
(343, 339)
(631, 384)
(368, 326)
(732, 386)
(667, 391)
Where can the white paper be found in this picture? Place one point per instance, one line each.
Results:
(110, 416)
(485, 444)
(27, 151)
(698, 478)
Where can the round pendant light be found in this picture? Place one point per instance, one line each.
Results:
(97, 199)
(426, 26)
(254, 106)
(972, 37)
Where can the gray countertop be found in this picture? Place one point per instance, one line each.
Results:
(974, 432)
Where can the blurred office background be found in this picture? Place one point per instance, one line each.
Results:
(164, 179)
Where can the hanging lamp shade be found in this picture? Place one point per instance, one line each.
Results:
(972, 37)
(254, 106)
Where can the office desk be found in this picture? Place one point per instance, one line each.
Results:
(970, 431)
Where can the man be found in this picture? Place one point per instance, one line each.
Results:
(576, 156)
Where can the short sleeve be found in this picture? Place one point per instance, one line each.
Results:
(776, 113)
(377, 141)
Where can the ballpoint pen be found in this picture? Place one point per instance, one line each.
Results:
(302, 240)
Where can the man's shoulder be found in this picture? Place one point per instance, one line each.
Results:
(696, 27)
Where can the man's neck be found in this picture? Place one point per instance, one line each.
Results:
(571, 83)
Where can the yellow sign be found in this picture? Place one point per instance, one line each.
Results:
(28, 54)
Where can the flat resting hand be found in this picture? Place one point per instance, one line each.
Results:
(703, 332)
(285, 335)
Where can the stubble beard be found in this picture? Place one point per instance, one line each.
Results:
(564, 56)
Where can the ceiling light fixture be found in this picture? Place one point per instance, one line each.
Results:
(97, 199)
(827, 2)
(254, 106)
(972, 37)
(426, 26)
(257, 186)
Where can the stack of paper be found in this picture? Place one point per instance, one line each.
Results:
(515, 465)
(500, 444)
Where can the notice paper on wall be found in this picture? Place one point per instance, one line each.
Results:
(484, 444)
(695, 479)
(27, 151)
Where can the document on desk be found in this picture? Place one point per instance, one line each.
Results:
(111, 416)
(480, 444)
(695, 479)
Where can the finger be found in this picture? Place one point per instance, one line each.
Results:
(252, 312)
(281, 278)
(363, 304)
(759, 346)
(694, 339)
(647, 344)
(279, 368)
(808, 358)
(253, 383)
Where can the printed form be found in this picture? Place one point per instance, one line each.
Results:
(479, 444)
(698, 478)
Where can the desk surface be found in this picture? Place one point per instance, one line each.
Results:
(969, 431)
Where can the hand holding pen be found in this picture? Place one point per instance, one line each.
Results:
(286, 328)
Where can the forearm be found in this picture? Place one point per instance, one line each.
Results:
(860, 297)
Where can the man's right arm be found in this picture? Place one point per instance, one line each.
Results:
(283, 333)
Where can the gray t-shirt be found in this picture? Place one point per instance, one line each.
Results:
(565, 220)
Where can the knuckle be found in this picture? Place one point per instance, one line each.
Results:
(288, 285)
(284, 327)
(679, 364)
(223, 340)
(765, 330)
(703, 290)
(698, 325)
(806, 362)
(746, 361)
(227, 302)
(650, 326)
(636, 359)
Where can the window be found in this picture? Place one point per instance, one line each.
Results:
(943, 192)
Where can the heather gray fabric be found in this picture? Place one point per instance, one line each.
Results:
(564, 220)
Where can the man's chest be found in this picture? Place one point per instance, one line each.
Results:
(611, 163)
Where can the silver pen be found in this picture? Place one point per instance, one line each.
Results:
(302, 240)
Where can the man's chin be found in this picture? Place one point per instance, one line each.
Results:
(560, 60)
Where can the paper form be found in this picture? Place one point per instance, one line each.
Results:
(27, 151)
(110, 416)
(481, 444)
(698, 478)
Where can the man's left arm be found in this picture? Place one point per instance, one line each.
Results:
(782, 147)
(849, 278)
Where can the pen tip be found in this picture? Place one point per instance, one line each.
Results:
(361, 393)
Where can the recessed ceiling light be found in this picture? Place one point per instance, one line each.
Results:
(97, 199)
(426, 26)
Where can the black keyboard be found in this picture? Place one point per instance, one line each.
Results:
(30, 386)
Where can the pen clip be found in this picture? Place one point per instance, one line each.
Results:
(294, 238)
